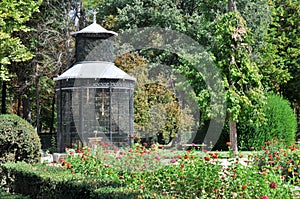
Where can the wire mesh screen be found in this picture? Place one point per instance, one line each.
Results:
(88, 115)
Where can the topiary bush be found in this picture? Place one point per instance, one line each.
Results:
(18, 140)
(281, 123)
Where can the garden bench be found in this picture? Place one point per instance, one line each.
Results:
(197, 146)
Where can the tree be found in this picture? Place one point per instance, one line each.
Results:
(241, 75)
(52, 45)
(226, 35)
(13, 16)
(284, 36)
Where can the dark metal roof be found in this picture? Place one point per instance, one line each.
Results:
(94, 28)
(95, 70)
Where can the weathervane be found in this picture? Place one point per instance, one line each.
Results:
(95, 14)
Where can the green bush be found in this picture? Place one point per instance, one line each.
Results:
(7, 195)
(18, 140)
(281, 123)
(43, 181)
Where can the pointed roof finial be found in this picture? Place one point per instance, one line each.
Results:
(95, 14)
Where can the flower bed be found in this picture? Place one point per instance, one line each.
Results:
(182, 175)
(152, 172)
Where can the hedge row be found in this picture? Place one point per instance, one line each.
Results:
(6, 195)
(40, 181)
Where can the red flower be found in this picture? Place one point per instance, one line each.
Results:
(271, 157)
(244, 187)
(293, 149)
(266, 143)
(264, 197)
(68, 165)
(213, 155)
(273, 185)
(160, 146)
(182, 165)
(186, 157)
(207, 158)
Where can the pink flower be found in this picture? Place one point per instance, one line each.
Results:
(264, 197)
(157, 157)
(173, 161)
(145, 165)
(273, 185)
(145, 144)
(131, 136)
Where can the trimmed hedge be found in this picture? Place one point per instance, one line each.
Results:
(18, 140)
(52, 182)
(281, 123)
(6, 195)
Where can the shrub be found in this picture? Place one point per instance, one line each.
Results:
(281, 123)
(18, 140)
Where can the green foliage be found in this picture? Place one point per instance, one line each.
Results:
(181, 175)
(42, 181)
(280, 55)
(241, 76)
(13, 16)
(18, 140)
(7, 195)
(178, 174)
(284, 35)
(280, 123)
(287, 160)
(157, 112)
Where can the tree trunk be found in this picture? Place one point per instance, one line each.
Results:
(26, 109)
(233, 137)
(232, 123)
(19, 105)
(3, 99)
(38, 102)
(52, 114)
(231, 5)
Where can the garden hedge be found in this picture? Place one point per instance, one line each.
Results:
(281, 124)
(18, 140)
(52, 182)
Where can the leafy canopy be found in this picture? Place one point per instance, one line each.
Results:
(13, 15)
